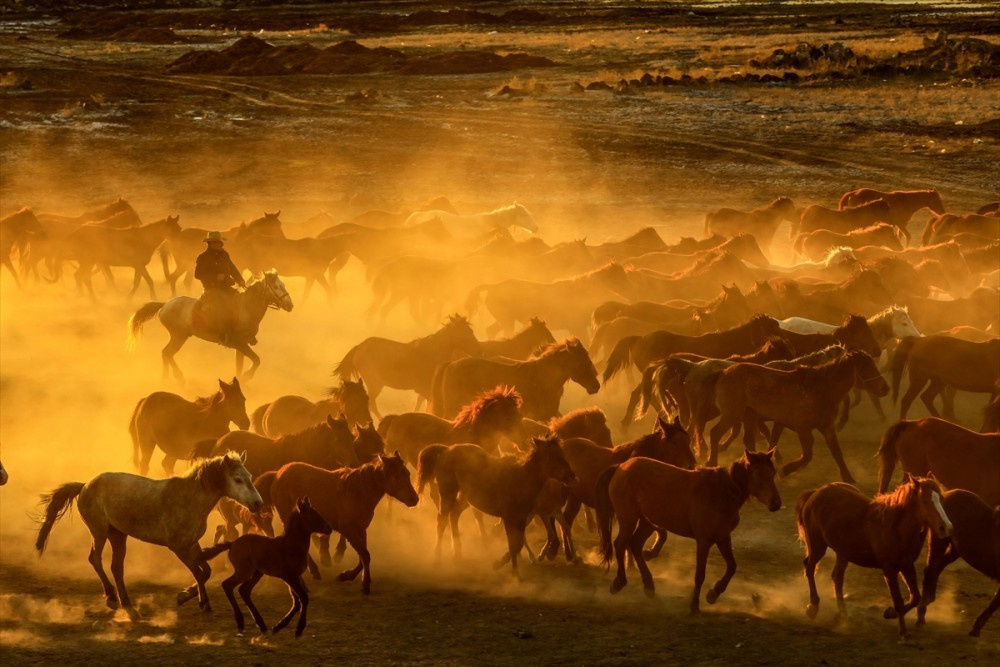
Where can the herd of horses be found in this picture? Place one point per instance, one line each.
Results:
(781, 347)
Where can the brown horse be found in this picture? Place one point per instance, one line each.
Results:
(539, 380)
(505, 487)
(288, 414)
(176, 424)
(328, 443)
(955, 456)
(642, 242)
(979, 310)
(942, 361)
(742, 245)
(902, 203)
(975, 537)
(815, 245)
(284, 557)
(309, 258)
(815, 217)
(346, 498)
(803, 400)
(696, 282)
(762, 222)
(381, 362)
(488, 419)
(590, 423)
(945, 226)
(17, 231)
(704, 504)
(886, 533)
(522, 344)
(854, 334)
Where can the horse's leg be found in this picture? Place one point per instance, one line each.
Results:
(456, 540)
(96, 560)
(149, 281)
(815, 550)
(635, 545)
(806, 440)
(168, 465)
(323, 544)
(313, 568)
(303, 595)
(725, 546)
(551, 547)
(701, 558)
(633, 401)
(305, 295)
(481, 523)
(877, 404)
(245, 350)
(839, 570)
(246, 590)
(567, 531)
(892, 582)
(373, 391)
(940, 554)
(626, 527)
(514, 527)
(909, 572)
(750, 427)
(338, 554)
(296, 606)
(830, 435)
(948, 400)
(420, 403)
(172, 347)
(118, 549)
(359, 543)
(916, 384)
(192, 559)
(994, 604)
(845, 413)
(238, 576)
(928, 395)
(658, 544)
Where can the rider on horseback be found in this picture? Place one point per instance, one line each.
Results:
(218, 274)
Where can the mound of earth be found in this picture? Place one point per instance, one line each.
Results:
(250, 56)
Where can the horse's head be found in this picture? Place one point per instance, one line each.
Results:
(336, 433)
(597, 428)
(866, 373)
(856, 334)
(524, 219)
(615, 278)
(3, 475)
(461, 336)
(902, 325)
(784, 207)
(546, 453)
(235, 480)
(173, 225)
(760, 478)
(932, 200)
(840, 257)
(763, 327)
(867, 284)
(353, 398)
(745, 247)
(367, 442)
(494, 415)
(731, 307)
(235, 403)
(277, 293)
(888, 236)
(397, 478)
(582, 370)
(675, 443)
(929, 508)
(308, 518)
(540, 332)
(898, 275)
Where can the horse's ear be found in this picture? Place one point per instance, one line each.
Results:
(907, 478)
(329, 419)
(771, 452)
(396, 455)
(243, 456)
(235, 382)
(222, 385)
(677, 420)
(661, 424)
(361, 381)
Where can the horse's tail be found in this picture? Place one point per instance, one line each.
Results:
(887, 454)
(133, 431)
(426, 462)
(56, 504)
(257, 419)
(383, 426)
(472, 301)
(345, 369)
(436, 406)
(605, 512)
(650, 375)
(213, 551)
(620, 357)
(263, 483)
(139, 318)
(203, 448)
(899, 363)
(800, 504)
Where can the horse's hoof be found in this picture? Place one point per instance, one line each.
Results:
(711, 596)
(346, 575)
(695, 610)
(617, 585)
(812, 610)
(921, 622)
(184, 596)
(113, 603)
(649, 591)
(974, 632)
(133, 614)
(497, 564)
(889, 613)
(206, 608)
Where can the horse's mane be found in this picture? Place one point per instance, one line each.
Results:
(885, 507)
(838, 250)
(203, 402)
(548, 349)
(706, 263)
(860, 278)
(644, 235)
(874, 227)
(453, 322)
(818, 354)
(621, 452)
(853, 319)
(470, 414)
(770, 346)
(780, 201)
(610, 267)
(209, 472)
(870, 204)
(889, 311)
(786, 286)
(580, 413)
(308, 435)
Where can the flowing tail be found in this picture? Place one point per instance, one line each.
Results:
(899, 363)
(56, 504)
(620, 357)
(426, 462)
(605, 512)
(887, 453)
(213, 551)
(650, 378)
(472, 301)
(133, 431)
(345, 369)
(800, 504)
(139, 318)
(257, 419)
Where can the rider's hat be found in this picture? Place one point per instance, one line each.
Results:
(214, 236)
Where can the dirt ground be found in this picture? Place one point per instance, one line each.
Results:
(84, 121)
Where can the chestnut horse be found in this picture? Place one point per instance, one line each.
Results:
(902, 203)
(942, 362)
(975, 537)
(854, 334)
(345, 497)
(742, 245)
(288, 414)
(955, 456)
(177, 425)
(885, 533)
(815, 245)
(815, 217)
(522, 344)
(590, 423)
(762, 222)
(802, 400)
(505, 487)
(284, 557)
(539, 379)
(704, 504)
(17, 231)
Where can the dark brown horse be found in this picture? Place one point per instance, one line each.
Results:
(288, 414)
(504, 487)
(17, 231)
(886, 533)
(704, 504)
(522, 344)
(955, 456)
(381, 362)
(309, 258)
(975, 537)
(539, 380)
(803, 400)
(854, 334)
(902, 203)
(762, 222)
(176, 424)
(346, 498)
(941, 361)
(284, 557)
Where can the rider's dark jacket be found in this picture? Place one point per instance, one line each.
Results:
(212, 264)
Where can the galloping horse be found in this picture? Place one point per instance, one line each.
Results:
(288, 414)
(902, 203)
(515, 215)
(170, 512)
(17, 230)
(177, 315)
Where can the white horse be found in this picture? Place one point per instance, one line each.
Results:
(461, 226)
(177, 315)
(893, 322)
(170, 512)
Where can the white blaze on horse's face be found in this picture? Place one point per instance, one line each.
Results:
(239, 487)
(944, 529)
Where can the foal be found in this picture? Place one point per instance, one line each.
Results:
(283, 557)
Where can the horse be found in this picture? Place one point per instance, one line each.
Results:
(346, 498)
(703, 504)
(641, 243)
(115, 208)
(177, 316)
(742, 245)
(329, 443)
(975, 537)
(590, 423)
(802, 399)
(382, 218)
(309, 258)
(854, 334)
(893, 322)
(938, 362)
(899, 277)
(505, 487)
(946, 225)
(949, 254)
(697, 281)
(288, 414)
(284, 557)
(979, 310)
(522, 344)
(955, 456)
(815, 217)
(492, 416)
(688, 245)
(17, 231)
(815, 245)
(170, 512)
(885, 533)
(539, 379)
(176, 424)
(514, 215)
(902, 203)
(761, 223)
(381, 362)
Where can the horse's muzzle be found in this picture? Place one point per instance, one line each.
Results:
(775, 504)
